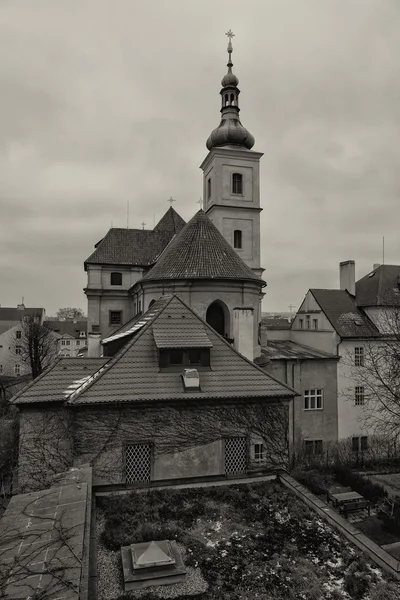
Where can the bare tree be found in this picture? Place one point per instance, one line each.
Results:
(375, 371)
(35, 344)
(70, 313)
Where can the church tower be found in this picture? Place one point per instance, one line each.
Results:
(231, 176)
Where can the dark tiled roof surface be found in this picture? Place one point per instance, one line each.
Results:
(59, 380)
(180, 330)
(286, 350)
(134, 375)
(15, 314)
(276, 322)
(200, 251)
(171, 222)
(381, 287)
(136, 247)
(341, 310)
(67, 327)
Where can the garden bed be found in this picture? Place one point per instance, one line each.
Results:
(239, 542)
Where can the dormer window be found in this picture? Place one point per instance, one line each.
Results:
(173, 359)
(116, 279)
(237, 239)
(237, 183)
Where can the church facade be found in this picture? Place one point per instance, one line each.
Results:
(213, 262)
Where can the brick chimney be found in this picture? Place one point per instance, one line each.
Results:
(347, 271)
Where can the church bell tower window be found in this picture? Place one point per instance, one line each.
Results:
(208, 188)
(237, 183)
(237, 238)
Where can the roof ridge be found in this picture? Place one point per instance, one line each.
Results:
(34, 381)
(114, 359)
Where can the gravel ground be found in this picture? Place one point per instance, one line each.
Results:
(110, 580)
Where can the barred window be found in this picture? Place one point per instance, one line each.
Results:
(313, 400)
(359, 356)
(359, 395)
(115, 317)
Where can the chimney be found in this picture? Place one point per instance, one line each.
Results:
(375, 266)
(20, 306)
(347, 270)
(94, 345)
(243, 331)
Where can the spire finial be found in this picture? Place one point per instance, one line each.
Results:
(230, 35)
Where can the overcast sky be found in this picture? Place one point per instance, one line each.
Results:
(106, 101)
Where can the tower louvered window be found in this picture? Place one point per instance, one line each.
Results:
(237, 183)
(138, 463)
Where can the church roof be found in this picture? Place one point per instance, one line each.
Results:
(341, 310)
(381, 287)
(136, 247)
(133, 374)
(200, 251)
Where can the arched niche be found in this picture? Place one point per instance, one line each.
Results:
(217, 316)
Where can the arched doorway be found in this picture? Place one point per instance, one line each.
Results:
(215, 317)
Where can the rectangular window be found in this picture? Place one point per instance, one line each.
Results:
(313, 400)
(208, 188)
(17, 369)
(176, 357)
(315, 323)
(115, 317)
(313, 447)
(359, 356)
(62, 342)
(355, 444)
(359, 395)
(194, 357)
(116, 279)
(237, 183)
(364, 443)
(140, 306)
(18, 335)
(301, 323)
(308, 321)
(237, 238)
(78, 342)
(18, 350)
(259, 452)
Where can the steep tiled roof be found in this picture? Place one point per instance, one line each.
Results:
(67, 327)
(134, 375)
(136, 247)
(59, 380)
(342, 312)
(200, 251)
(180, 330)
(381, 287)
(15, 314)
(286, 350)
(171, 222)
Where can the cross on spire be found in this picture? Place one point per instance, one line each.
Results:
(143, 224)
(171, 200)
(200, 201)
(230, 35)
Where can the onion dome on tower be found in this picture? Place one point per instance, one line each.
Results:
(230, 131)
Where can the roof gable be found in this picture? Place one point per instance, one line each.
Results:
(133, 375)
(171, 222)
(341, 310)
(200, 251)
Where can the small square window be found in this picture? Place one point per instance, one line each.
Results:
(194, 357)
(176, 357)
(67, 342)
(18, 335)
(115, 317)
(116, 279)
(359, 356)
(62, 342)
(359, 395)
(259, 453)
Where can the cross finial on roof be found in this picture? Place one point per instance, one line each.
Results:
(230, 35)
(143, 224)
(200, 201)
(171, 200)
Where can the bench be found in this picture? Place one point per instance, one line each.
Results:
(354, 507)
(336, 490)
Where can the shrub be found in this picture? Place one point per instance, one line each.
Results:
(372, 491)
(357, 579)
(385, 591)
(312, 479)
(389, 513)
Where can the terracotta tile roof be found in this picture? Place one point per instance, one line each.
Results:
(133, 374)
(68, 327)
(136, 247)
(381, 287)
(341, 310)
(200, 251)
(171, 222)
(286, 350)
(57, 382)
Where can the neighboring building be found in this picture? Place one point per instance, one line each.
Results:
(378, 294)
(313, 374)
(213, 262)
(171, 399)
(71, 335)
(10, 332)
